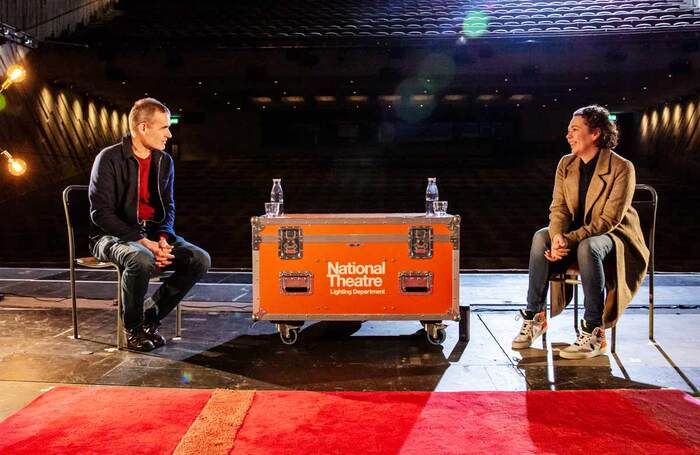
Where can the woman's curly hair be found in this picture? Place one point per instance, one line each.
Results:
(597, 117)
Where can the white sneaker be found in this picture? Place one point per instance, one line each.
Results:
(587, 345)
(530, 330)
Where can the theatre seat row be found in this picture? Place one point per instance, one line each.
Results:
(245, 23)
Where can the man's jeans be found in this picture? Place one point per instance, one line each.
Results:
(138, 263)
(590, 254)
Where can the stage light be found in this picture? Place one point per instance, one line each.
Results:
(418, 99)
(292, 99)
(358, 99)
(16, 166)
(486, 98)
(521, 97)
(15, 73)
(389, 98)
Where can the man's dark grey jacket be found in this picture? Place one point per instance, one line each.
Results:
(114, 192)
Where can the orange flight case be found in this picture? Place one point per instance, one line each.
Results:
(356, 267)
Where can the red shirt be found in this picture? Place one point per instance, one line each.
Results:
(145, 209)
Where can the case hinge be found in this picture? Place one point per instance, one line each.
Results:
(256, 227)
(454, 231)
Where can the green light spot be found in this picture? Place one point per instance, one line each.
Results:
(175, 120)
(3, 102)
(612, 117)
(475, 24)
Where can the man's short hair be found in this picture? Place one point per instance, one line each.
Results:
(143, 110)
(597, 117)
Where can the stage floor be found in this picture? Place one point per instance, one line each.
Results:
(221, 347)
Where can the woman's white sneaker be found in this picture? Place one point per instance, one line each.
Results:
(587, 345)
(530, 330)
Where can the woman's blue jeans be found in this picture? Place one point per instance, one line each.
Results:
(590, 254)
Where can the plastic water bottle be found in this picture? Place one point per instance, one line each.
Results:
(431, 194)
(276, 194)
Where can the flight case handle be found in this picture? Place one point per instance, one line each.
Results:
(297, 283)
(416, 282)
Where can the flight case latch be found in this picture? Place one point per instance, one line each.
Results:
(420, 242)
(291, 243)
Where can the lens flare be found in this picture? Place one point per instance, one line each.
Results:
(438, 70)
(475, 24)
(3, 102)
(186, 377)
(414, 112)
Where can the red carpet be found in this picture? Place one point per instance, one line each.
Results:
(102, 420)
(134, 420)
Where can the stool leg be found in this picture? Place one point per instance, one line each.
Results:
(121, 338)
(464, 323)
(74, 300)
(178, 322)
(614, 339)
(576, 308)
(651, 306)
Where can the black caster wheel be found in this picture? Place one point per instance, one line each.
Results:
(291, 338)
(440, 337)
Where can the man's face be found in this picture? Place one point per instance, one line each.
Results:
(155, 133)
(580, 137)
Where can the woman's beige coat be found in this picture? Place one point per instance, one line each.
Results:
(608, 210)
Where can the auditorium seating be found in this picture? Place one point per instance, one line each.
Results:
(308, 20)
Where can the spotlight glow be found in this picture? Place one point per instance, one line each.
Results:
(17, 167)
(16, 73)
(689, 113)
(677, 119)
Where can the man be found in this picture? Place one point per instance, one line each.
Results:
(133, 212)
(592, 222)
